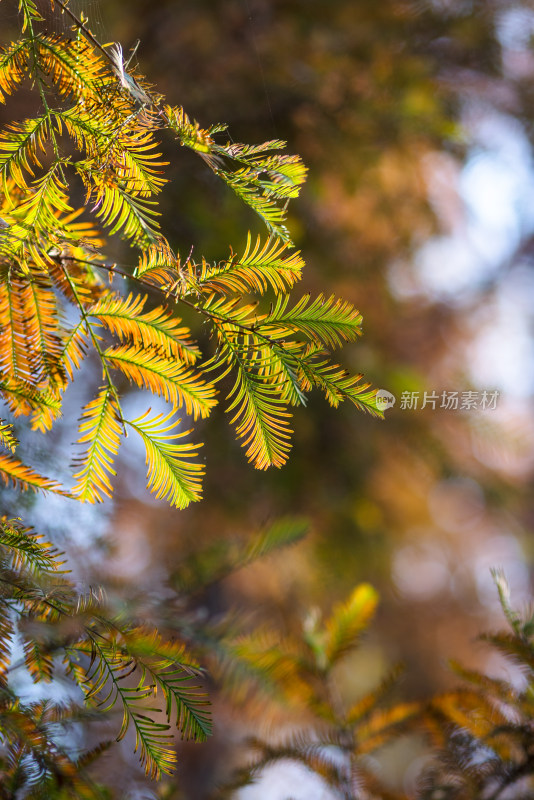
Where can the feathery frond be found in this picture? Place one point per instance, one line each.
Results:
(325, 320)
(159, 267)
(75, 348)
(38, 659)
(13, 66)
(178, 383)
(49, 258)
(30, 14)
(95, 131)
(260, 417)
(23, 549)
(174, 473)
(21, 143)
(365, 706)
(25, 478)
(30, 343)
(226, 556)
(316, 369)
(122, 657)
(100, 429)
(255, 271)
(7, 634)
(283, 532)
(23, 399)
(73, 68)
(132, 216)
(348, 620)
(172, 669)
(383, 723)
(106, 682)
(46, 201)
(264, 182)
(7, 437)
(156, 330)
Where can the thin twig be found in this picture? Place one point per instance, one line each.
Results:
(114, 270)
(105, 368)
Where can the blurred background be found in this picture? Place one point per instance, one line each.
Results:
(416, 121)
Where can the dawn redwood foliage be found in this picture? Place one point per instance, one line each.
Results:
(97, 124)
(101, 125)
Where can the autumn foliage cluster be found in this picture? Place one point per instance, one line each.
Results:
(87, 165)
